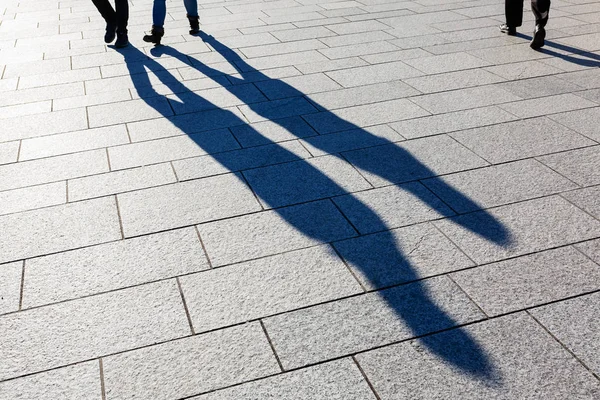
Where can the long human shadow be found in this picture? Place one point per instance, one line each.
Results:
(590, 59)
(416, 306)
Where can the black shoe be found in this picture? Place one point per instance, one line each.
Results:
(539, 34)
(111, 32)
(194, 25)
(156, 33)
(122, 40)
(509, 30)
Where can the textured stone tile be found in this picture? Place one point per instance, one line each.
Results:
(446, 63)
(450, 122)
(411, 160)
(356, 324)
(379, 92)
(306, 180)
(539, 87)
(587, 199)
(10, 287)
(72, 142)
(9, 152)
(49, 337)
(276, 109)
(401, 255)
(370, 74)
(337, 380)
(330, 65)
(316, 32)
(591, 249)
(575, 324)
(272, 131)
(523, 70)
(464, 99)
(296, 86)
(207, 99)
(391, 207)
(30, 198)
(186, 203)
(519, 229)
(59, 228)
(364, 115)
(273, 232)
(509, 357)
(192, 365)
(120, 181)
(81, 381)
(357, 27)
(351, 140)
(171, 148)
(27, 109)
(128, 111)
(512, 182)
(582, 121)
(55, 93)
(580, 166)
(54, 122)
(238, 160)
(112, 266)
(14, 176)
(529, 281)
(282, 48)
(355, 38)
(587, 79)
(58, 78)
(453, 80)
(282, 60)
(360, 49)
(520, 139)
(267, 286)
(549, 105)
(115, 96)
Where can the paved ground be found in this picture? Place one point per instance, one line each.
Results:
(314, 199)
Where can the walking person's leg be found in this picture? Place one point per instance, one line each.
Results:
(541, 9)
(122, 15)
(159, 13)
(110, 16)
(514, 16)
(191, 7)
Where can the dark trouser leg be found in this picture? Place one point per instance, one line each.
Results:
(106, 10)
(540, 9)
(122, 7)
(514, 12)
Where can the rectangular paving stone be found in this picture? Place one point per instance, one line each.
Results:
(81, 381)
(464, 99)
(412, 160)
(10, 287)
(573, 322)
(9, 152)
(509, 357)
(192, 365)
(375, 93)
(351, 140)
(519, 229)
(276, 109)
(58, 228)
(128, 111)
(523, 70)
(529, 281)
(272, 131)
(55, 93)
(370, 74)
(450, 122)
(359, 323)
(539, 87)
(43, 338)
(72, 142)
(398, 55)
(30, 198)
(513, 182)
(580, 166)
(336, 380)
(54, 122)
(185, 203)
(120, 181)
(446, 63)
(364, 115)
(587, 199)
(14, 176)
(267, 286)
(296, 86)
(27, 109)
(273, 232)
(581, 121)
(207, 99)
(171, 148)
(282, 48)
(391, 207)
(58, 78)
(453, 80)
(112, 266)
(550, 105)
(401, 255)
(238, 160)
(330, 65)
(591, 249)
(91, 99)
(282, 60)
(359, 49)
(305, 180)
(520, 139)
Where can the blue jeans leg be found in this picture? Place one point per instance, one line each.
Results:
(159, 13)
(191, 7)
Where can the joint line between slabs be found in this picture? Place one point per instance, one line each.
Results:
(264, 328)
(187, 312)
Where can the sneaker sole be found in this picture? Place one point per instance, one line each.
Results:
(538, 39)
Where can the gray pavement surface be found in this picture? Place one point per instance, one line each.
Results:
(312, 199)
